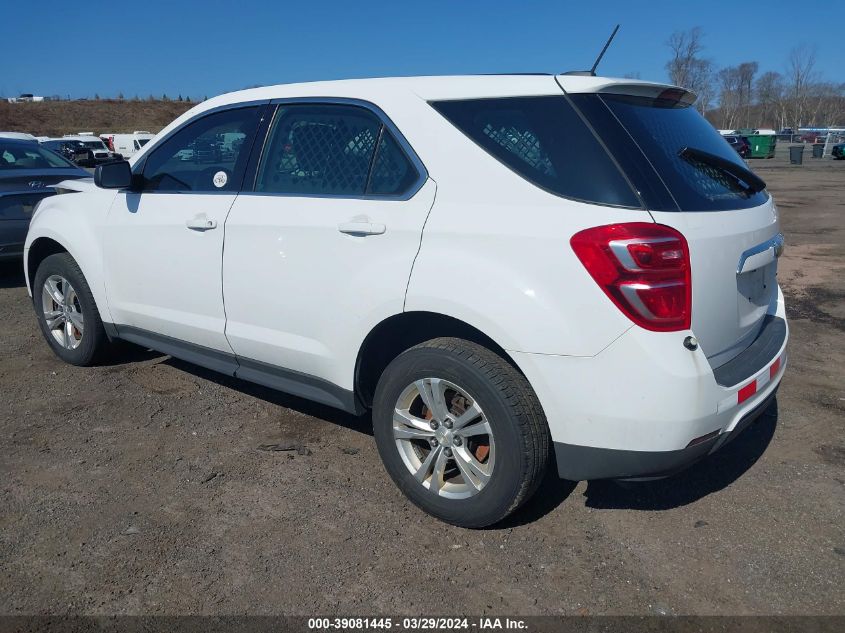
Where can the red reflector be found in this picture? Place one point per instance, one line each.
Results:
(773, 370)
(643, 268)
(746, 392)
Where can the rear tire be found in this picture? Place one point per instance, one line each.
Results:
(441, 457)
(66, 311)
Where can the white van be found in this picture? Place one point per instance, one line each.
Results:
(127, 144)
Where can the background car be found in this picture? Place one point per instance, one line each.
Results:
(127, 145)
(21, 136)
(811, 137)
(28, 173)
(740, 144)
(74, 151)
(92, 149)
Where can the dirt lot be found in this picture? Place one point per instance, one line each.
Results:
(140, 488)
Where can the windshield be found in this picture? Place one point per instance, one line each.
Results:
(661, 129)
(30, 156)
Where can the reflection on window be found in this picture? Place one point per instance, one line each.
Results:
(207, 155)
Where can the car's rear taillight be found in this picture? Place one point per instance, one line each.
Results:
(644, 269)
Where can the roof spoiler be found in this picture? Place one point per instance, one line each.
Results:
(658, 92)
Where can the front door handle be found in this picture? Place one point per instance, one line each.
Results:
(361, 228)
(201, 222)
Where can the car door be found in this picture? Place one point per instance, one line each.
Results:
(163, 243)
(322, 249)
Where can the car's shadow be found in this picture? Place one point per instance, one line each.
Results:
(11, 274)
(362, 424)
(710, 475)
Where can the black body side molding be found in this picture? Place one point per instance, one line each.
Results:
(287, 380)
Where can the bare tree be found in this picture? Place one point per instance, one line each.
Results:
(825, 103)
(729, 97)
(746, 72)
(771, 100)
(800, 74)
(687, 68)
(686, 47)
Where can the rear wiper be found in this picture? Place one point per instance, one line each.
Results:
(744, 176)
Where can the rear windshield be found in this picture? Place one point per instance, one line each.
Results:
(544, 140)
(661, 129)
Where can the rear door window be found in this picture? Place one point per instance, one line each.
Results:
(319, 149)
(660, 129)
(332, 150)
(392, 172)
(544, 140)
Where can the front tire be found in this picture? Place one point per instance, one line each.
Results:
(460, 431)
(66, 311)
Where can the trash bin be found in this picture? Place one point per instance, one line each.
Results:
(762, 142)
(818, 150)
(796, 154)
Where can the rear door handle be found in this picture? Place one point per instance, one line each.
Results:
(201, 222)
(361, 228)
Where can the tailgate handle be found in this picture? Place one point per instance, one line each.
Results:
(760, 255)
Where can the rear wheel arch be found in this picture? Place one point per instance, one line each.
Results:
(400, 332)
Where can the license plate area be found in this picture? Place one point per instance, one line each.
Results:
(755, 292)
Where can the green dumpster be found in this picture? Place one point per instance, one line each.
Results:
(762, 142)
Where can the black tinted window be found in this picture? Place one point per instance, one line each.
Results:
(545, 141)
(392, 172)
(661, 128)
(209, 154)
(319, 149)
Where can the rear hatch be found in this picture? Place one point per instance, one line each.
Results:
(689, 178)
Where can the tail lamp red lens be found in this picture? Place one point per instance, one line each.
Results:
(643, 268)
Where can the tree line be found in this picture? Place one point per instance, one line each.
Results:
(739, 97)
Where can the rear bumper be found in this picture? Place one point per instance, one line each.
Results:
(647, 406)
(587, 462)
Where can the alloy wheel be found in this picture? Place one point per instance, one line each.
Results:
(444, 438)
(62, 312)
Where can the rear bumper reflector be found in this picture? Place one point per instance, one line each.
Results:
(740, 394)
(746, 392)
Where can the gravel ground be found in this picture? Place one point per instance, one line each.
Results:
(142, 488)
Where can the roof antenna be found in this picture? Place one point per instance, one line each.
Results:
(603, 51)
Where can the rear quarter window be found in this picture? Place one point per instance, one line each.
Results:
(544, 140)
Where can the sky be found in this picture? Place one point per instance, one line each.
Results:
(201, 48)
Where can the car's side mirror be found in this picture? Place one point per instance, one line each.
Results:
(116, 175)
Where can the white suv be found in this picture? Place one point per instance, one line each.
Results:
(510, 271)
